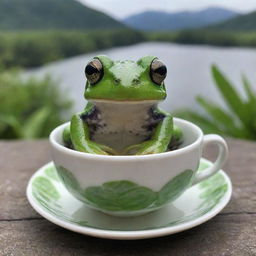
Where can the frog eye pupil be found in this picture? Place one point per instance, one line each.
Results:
(161, 70)
(158, 71)
(94, 71)
(89, 70)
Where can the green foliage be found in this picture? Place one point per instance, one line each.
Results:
(238, 122)
(52, 14)
(206, 37)
(35, 48)
(246, 22)
(32, 49)
(30, 108)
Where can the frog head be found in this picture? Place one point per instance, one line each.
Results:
(109, 80)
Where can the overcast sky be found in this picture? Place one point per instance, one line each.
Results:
(123, 8)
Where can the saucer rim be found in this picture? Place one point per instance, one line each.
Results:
(129, 235)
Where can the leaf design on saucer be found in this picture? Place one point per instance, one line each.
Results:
(171, 190)
(46, 189)
(51, 173)
(203, 165)
(47, 195)
(213, 190)
(120, 195)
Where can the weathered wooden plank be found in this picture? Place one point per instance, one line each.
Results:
(18, 161)
(225, 235)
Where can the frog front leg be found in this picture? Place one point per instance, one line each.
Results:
(177, 138)
(78, 135)
(159, 140)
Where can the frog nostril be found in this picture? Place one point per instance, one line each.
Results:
(117, 81)
(135, 81)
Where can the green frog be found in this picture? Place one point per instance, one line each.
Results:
(122, 115)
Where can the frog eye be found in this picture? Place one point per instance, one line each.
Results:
(158, 71)
(94, 71)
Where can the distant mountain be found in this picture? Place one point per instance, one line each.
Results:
(159, 20)
(242, 22)
(52, 14)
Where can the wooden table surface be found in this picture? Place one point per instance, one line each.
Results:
(24, 232)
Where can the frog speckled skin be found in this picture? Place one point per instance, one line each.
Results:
(122, 116)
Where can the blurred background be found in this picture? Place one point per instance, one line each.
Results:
(207, 45)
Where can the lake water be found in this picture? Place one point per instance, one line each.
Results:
(188, 70)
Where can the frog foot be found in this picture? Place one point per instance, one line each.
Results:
(145, 148)
(99, 149)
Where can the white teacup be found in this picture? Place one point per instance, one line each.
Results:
(134, 185)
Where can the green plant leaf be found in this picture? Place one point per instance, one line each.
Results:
(240, 123)
(231, 96)
(223, 120)
(216, 112)
(248, 89)
(22, 98)
(204, 123)
(35, 123)
(120, 195)
(9, 120)
(251, 104)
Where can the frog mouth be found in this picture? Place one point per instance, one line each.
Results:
(125, 101)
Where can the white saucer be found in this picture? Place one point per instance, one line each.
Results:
(198, 204)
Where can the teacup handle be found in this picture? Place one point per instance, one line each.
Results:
(222, 157)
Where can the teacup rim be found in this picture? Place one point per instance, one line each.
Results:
(65, 150)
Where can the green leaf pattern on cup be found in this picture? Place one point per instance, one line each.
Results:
(173, 189)
(120, 195)
(125, 195)
(71, 183)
